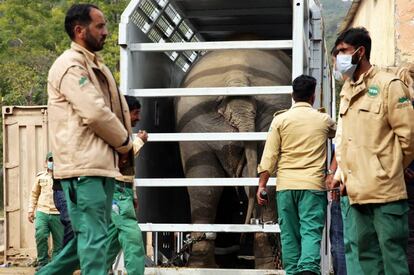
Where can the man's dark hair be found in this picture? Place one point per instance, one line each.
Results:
(78, 14)
(303, 88)
(133, 102)
(356, 37)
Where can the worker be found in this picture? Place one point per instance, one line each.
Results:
(295, 150)
(47, 216)
(377, 144)
(86, 114)
(124, 232)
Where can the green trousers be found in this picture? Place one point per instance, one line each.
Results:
(124, 232)
(382, 236)
(46, 224)
(89, 205)
(350, 239)
(301, 219)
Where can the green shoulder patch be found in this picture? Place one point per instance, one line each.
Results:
(279, 112)
(83, 80)
(403, 102)
(373, 91)
(403, 99)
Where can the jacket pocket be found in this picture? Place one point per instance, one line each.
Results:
(370, 106)
(380, 171)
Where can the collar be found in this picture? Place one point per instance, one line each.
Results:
(353, 88)
(301, 104)
(368, 74)
(92, 57)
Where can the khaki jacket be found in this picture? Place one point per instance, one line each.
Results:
(41, 198)
(295, 148)
(86, 116)
(377, 137)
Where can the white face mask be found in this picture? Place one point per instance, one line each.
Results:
(50, 165)
(344, 64)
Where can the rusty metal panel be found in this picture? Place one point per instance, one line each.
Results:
(25, 144)
(404, 28)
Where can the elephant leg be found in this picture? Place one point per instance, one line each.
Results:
(201, 163)
(267, 246)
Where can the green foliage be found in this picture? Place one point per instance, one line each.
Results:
(333, 12)
(32, 36)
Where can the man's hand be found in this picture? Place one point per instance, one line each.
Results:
(31, 217)
(328, 181)
(123, 160)
(332, 184)
(143, 135)
(261, 201)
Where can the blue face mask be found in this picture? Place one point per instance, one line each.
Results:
(50, 165)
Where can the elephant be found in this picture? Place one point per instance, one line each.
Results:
(229, 68)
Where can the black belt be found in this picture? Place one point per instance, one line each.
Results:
(124, 184)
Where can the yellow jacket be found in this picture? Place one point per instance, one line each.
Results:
(87, 115)
(377, 137)
(295, 148)
(41, 198)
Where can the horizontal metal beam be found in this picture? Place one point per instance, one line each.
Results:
(226, 136)
(240, 28)
(180, 182)
(227, 228)
(211, 91)
(220, 45)
(214, 13)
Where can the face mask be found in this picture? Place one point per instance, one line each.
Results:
(344, 64)
(50, 165)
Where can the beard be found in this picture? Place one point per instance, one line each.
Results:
(94, 44)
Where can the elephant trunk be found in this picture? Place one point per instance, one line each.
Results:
(240, 112)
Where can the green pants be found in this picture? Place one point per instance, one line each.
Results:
(46, 224)
(89, 205)
(382, 236)
(350, 239)
(301, 219)
(124, 232)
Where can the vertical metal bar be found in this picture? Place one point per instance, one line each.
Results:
(125, 59)
(297, 38)
(181, 243)
(156, 249)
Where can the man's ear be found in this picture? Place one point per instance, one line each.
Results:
(313, 97)
(362, 52)
(79, 31)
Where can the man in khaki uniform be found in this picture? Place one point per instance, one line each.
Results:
(86, 122)
(296, 151)
(377, 144)
(47, 216)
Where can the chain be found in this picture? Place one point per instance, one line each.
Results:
(175, 260)
(277, 252)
